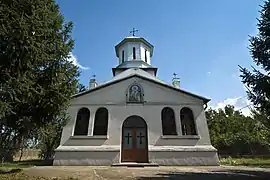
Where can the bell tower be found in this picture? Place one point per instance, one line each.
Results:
(134, 52)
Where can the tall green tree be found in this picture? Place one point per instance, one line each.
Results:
(258, 80)
(36, 78)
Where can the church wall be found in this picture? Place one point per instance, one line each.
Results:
(142, 50)
(156, 97)
(123, 48)
(150, 113)
(130, 51)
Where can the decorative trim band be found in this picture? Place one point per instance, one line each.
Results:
(90, 137)
(180, 137)
(207, 148)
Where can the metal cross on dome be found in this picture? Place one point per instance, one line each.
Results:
(174, 74)
(133, 31)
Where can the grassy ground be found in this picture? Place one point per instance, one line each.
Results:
(23, 176)
(256, 162)
(14, 170)
(18, 171)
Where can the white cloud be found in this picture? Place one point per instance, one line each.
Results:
(240, 103)
(72, 58)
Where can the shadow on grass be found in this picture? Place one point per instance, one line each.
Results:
(10, 171)
(26, 163)
(260, 165)
(214, 175)
(36, 162)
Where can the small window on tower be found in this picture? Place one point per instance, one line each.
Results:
(134, 53)
(123, 56)
(145, 55)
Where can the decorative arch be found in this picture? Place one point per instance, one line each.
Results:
(101, 122)
(134, 121)
(187, 122)
(82, 122)
(135, 93)
(168, 121)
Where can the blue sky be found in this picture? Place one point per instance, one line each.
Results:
(203, 41)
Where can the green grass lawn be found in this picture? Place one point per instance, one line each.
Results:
(256, 162)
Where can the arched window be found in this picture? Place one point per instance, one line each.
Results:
(134, 53)
(82, 122)
(145, 55)
(187, 122)
(101, 122)
(168, 121)
(123, 56)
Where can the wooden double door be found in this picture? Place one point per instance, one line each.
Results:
(134, 140)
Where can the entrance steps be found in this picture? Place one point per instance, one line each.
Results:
(134, 164)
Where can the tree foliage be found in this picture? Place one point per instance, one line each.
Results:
(233, 133)
(36, 80)
(81, 88)
(258, 80)
(49, 137)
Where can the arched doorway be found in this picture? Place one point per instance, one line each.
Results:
(134, 140)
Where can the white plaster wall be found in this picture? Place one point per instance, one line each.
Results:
(143, 48)
(198, 157)
(152, 115)
(157, 97)
(123, 48)
(140, 52)
(130, 46)
(153, 94)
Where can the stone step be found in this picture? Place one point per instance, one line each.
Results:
(134, 164)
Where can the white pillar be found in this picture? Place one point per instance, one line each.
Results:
(178, 121)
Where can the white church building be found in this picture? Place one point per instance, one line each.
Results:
(136, 118)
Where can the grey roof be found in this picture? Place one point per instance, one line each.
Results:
(134, 64)
(129, 73)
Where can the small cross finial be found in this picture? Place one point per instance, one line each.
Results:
(174, 74)
(133, 31)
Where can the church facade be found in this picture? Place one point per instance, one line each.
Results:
(136, 118)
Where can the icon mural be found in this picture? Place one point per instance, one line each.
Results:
(135, 93)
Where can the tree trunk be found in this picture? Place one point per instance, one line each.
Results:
(21, 154)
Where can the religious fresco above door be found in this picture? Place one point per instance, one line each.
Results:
(135, 93)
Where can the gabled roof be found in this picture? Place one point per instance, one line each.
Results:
(134, 64)
(136, 72)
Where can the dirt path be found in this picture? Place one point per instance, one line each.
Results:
(147, 173)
